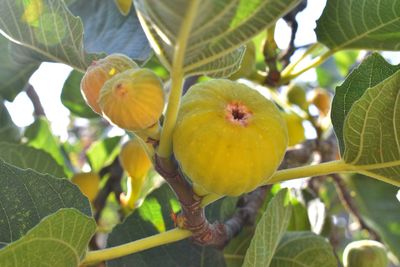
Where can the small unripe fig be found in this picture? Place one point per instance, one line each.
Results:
(296, 95)
(228, 138)
(248, 64)
(88, 183)
(99, 72)
(322, 100)
(365, 253)
(135, 161)
(295, 128)
(133, 99)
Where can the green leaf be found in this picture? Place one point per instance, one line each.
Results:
(25, 157)
(8, 130)
(108, 31)
(145, 222)
(72, 98)
(298, 249)
(269, 231)
(58, 240)
(378, 206)
(13, 75)
(360, 24)
(103, 152)
(39, 136)
(47, 28)
(369, 73)
(217, 30)
(299, 220)
(27, 196)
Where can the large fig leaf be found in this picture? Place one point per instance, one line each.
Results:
(13, 75)
(360, 24)
(8, 130)
(108, 31)
(269, 231)
(25, 157)
(213, 32)
(367, 120)
(60, 240)
(27, 196)
(47, 28)
(303, 249)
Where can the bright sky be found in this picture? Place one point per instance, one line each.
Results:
(49, 78)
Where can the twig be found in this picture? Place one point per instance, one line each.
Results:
(37, 105)
(350, 206)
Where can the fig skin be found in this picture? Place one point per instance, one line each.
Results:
(295, 128)
(99, 72)
(88, 183)
(322, 100)
(133, 100)
(228, 138)
(136, 162)
(365, 253)
(296, 95)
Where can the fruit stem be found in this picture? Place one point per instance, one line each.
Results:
(288, 76)
(311, 170)
(177, 77)
(289, 68)
(136, 246)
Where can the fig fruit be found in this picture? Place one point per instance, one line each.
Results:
(98, 73)
(88, 183)
(248, 64)
(135, 161)
(296, 95)
(228, 138)
(321, 99)
(133, 99)
(365, 253)
(295, 128)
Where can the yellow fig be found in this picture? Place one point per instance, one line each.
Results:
(99, 72)
(135, 161)
(248, 64)
(365, 253)
(88, 183)
(322, 100)
(133, 99)
(228, 138)
(295, 128)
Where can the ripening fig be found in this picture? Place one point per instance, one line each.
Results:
(88, 183)
(295, 128)
(136, 162)
(321, 99)
(99, 72)
(228, 138)
(296, 95)
(248, 64)
(365, 253)
(133, 100)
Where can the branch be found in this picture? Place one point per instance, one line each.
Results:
(347, 201)
(37, 105)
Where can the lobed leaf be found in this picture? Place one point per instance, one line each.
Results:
(26, 197)
(218, 29)
(47, 28)
(269, 231)
(298, 249)
(360, 24)
(25, 157)
(59, 240)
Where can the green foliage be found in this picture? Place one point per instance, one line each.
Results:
(27, 196)
(58, 240)
(8, 130)
(360, 24)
